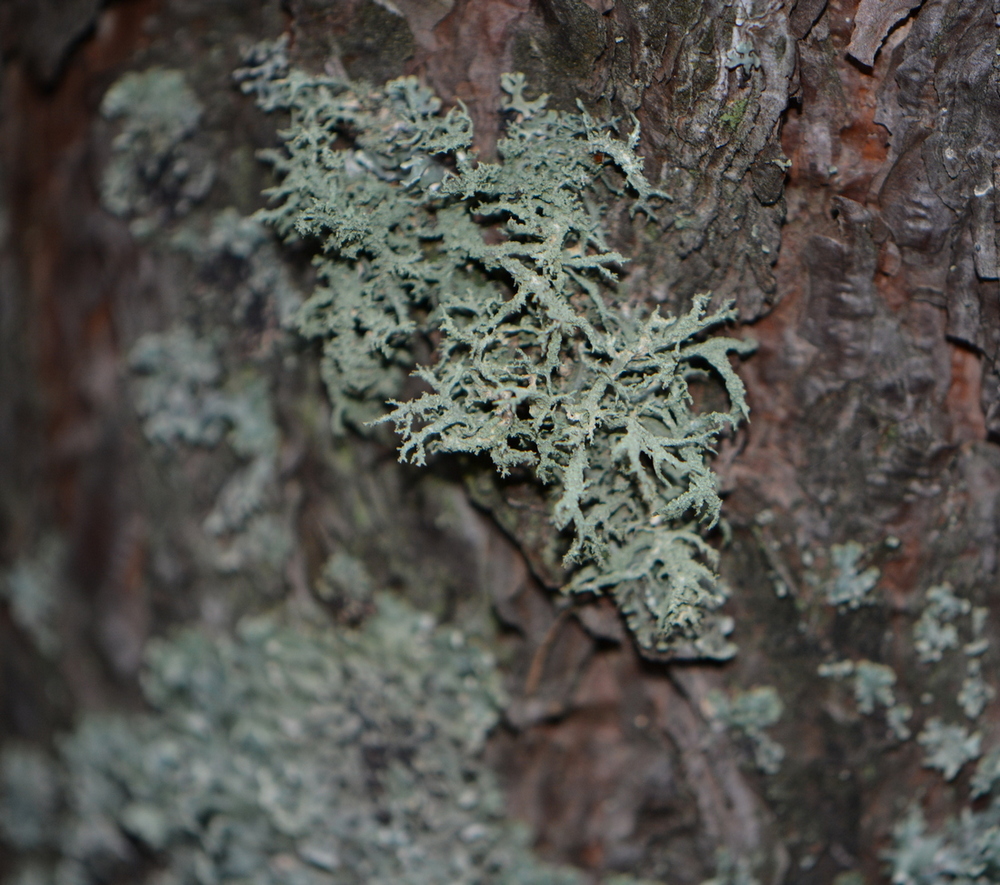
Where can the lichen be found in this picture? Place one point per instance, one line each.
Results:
(936, 631)
(505, 269)
(733, 113)
(154, 173)
(987, 774)
(897, 717)
(975, 693)
(176, 375)
(944, 621)
(850, 587)
(743, 55)
(750, 712)
(948, 747)
(182, 396)
(345, 584)
(293, 752)
(264, 281)
(873, 687)
(964, 851)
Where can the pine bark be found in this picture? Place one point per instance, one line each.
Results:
(833, 167)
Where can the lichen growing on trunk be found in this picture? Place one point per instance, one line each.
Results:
(290, 752)
(505, 268)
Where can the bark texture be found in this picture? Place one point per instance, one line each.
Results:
(833, 168)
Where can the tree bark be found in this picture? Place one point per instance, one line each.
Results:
(832, 168)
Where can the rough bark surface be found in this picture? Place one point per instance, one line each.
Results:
(833, 168)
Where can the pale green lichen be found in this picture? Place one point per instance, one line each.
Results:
(987, 774)
(504, 267)
(943, 621)
(948, 747)
(743, 55)
(174, 392)
(750, 712)
(965, 851)
(873, 687)
(897, 717)
(153, 172)
(975, 693)
(180, 395)
(936, 631)
(345, 583)
(850, 587)
(183, 396)
(265, 65)
(295, 753)
(263, 278)
(254, 437)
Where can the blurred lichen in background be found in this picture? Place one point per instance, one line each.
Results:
(292, 752)
(156, 169)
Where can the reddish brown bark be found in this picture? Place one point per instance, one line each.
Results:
(868, 276)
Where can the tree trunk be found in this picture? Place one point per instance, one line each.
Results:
(831, 169)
